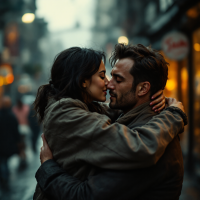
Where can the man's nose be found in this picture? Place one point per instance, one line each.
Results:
(110, 85)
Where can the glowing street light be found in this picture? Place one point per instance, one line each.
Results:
(1, 81)
(171, 84)
(28, 18)
(123, 39)
(197, 47)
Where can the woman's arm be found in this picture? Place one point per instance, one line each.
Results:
(116, 146)
(119, 147)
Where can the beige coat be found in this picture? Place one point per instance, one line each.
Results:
(81, 140)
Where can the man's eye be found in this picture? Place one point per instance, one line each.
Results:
(118, 81)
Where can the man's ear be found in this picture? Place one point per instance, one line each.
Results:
(143, 88)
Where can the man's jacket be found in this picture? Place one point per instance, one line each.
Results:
(82, 141)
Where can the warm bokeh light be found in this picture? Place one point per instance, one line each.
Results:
(24, 88)
(123, 39)
(192, 12)
(28, 18)
(9, 78)
(184, 77)
(1, 81)
(197, 47)
(171, 84)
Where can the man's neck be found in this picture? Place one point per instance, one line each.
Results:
(139, 102)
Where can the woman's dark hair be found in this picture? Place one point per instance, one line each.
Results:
(149, 65)
(70, 69)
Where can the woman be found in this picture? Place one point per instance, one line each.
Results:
(77, 128)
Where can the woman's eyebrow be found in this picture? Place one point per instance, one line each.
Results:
(102, 71)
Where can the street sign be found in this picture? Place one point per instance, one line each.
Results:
(175, 46)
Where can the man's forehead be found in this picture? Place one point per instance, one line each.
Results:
(123, 65)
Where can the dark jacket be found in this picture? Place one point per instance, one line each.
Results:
(164, 178)
(9, 134)
(82, 140)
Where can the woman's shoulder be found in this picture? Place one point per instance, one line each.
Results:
(66, 103)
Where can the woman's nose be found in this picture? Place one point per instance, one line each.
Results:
(106, 81)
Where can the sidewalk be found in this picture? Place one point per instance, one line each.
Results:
(191, 188)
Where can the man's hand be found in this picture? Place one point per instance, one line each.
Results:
(175, 103)
(159, 102)
(45, 153)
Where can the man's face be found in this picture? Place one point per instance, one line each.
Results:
(120, 86)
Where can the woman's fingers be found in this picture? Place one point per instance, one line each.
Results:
(159, 109)
(158, 99)
(159, 104)
(157, 94)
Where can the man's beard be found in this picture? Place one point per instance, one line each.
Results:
(125, 102)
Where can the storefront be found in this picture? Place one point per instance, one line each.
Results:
(184, 72)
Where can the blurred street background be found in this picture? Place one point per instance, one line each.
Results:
(32, 32)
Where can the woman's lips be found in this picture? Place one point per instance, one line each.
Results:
(105, 92)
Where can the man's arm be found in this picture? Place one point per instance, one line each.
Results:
(58, 185)
(107, 184)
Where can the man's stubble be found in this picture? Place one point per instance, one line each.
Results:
(125, 102)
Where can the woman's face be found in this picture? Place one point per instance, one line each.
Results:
(97, 85)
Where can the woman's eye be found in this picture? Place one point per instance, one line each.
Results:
(102, 77)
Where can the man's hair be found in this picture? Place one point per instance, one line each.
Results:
(149, 65)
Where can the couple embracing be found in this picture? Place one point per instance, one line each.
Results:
(129, 150)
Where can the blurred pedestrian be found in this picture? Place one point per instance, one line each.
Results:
(9, 139)
(34, 126)
(21, 111)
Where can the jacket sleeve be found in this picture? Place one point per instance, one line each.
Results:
(57, 184)
(115, 146)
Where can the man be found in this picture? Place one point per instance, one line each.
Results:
(9, 139)
(138, 73)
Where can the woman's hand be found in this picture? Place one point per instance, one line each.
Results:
(175, 103)
(159, 102)
(45, 153)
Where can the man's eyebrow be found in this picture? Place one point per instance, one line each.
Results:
(117, 75)
(102, 71)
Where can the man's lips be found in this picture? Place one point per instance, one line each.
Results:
(112, 95)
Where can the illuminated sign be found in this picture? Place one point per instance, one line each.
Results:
(175, 46)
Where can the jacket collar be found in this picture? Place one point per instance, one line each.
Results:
(137, 116)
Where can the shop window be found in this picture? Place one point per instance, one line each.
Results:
(196, 63)
(177, 87)
(171, 86)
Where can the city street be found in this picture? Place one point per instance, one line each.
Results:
(22, 183)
